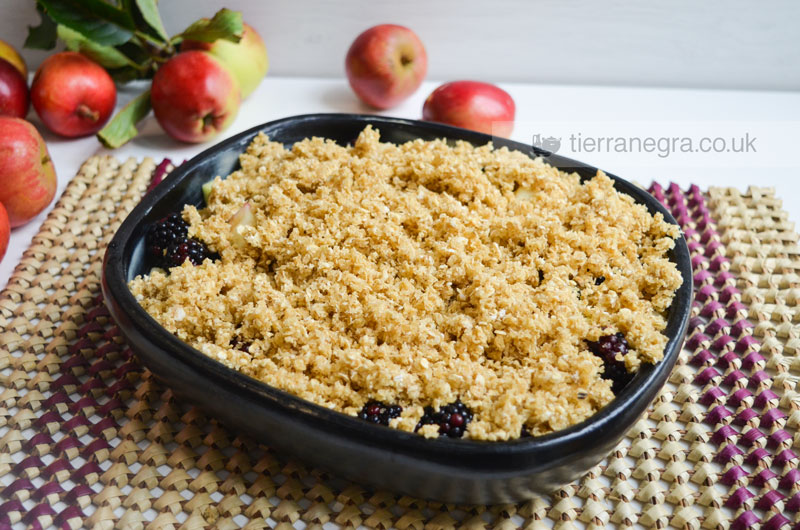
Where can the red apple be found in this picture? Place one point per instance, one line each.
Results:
(27, 175)
(8, 53)
(5, 231)
(14, 100)
(385, 65)
(194, 97)
(73, 95)
(472, 105)
(247, 59)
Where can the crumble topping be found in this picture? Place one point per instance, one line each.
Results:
(420, 274)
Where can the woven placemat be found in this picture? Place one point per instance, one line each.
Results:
(89, 439)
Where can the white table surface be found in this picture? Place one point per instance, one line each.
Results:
(630, 114)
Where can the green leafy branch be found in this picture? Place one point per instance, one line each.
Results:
(127, 38)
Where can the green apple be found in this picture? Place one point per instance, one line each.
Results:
(247, 59)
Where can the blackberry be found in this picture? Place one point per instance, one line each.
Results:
(607, 347)
(191, 249)
(380, 413)
(164, 232)
(599, 280)
(525, 433)
(452, 419)
(618, 375)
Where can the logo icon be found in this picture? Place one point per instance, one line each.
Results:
(549, 143)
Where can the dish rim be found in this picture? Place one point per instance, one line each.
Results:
(116, 276)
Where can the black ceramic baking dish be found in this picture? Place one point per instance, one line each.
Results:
(457, 471)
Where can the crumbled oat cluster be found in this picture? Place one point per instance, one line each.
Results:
(421, 275)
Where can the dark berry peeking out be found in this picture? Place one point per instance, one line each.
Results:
(167, 241)
(599, 280)
(164, 232)
(452, 419)
(378, 412)
(607, 347)
(618, 375)
(525, 433)
(191, 249)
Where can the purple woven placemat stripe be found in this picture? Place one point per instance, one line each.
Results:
(103, 429)
(743, 412)
(71, 440)
(80, 390)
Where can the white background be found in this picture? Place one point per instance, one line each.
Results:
(678, 43)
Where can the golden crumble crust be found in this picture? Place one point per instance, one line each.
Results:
(420, 273)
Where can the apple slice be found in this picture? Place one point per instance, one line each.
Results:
(525, 194)
(207, 190)
(243, 217)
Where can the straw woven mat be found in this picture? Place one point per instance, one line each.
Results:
(89, 440)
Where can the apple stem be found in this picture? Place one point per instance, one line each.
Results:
(85, 112)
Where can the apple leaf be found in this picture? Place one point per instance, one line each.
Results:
(149, 11)
(106, 56)
(127, 37)
(43, 36)
(98, 21)
(122, 127)
(225, 24)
